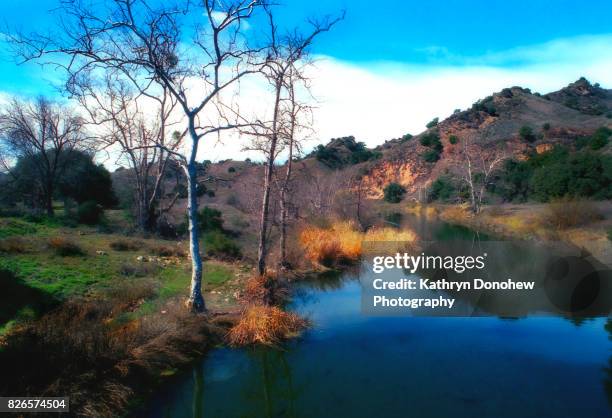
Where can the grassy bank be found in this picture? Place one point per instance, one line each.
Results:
(99, 315)
(584, 224)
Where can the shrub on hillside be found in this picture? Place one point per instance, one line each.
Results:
(453, 139)
(442, 189)
(210, 219)
(527, 133)
(431, 156)
(217, 244)
(433, 123)
(394, 193)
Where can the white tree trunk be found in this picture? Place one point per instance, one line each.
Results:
(195, 301)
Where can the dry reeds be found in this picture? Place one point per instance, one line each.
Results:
(568, 212)
(266, 325)
(342, 242)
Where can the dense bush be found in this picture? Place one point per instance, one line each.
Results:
(527, 133)
(210, 219)
(442, 189)
(64, 247)
(431, 156)
(217, 244)
(90, 213)
(555, 174)
(394, 193)
(334, 157)
(453, 139)
(431, 140)
(433, 123)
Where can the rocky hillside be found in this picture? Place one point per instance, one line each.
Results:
(514, 119)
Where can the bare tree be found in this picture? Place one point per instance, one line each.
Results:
(150, 46)
(280, 69)
(294, 113)
(43, 133)
(477, 165)
(139, 139)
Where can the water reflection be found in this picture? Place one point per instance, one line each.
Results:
(351, 365)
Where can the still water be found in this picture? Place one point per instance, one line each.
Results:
(352, 365)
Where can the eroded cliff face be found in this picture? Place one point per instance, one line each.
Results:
(492, 125)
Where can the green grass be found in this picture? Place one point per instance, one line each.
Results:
(16, 227)
(42, 271)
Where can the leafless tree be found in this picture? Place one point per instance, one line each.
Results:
(283, 54)
(44, 133)
(477, 164)
(138, 139)
(150, 45)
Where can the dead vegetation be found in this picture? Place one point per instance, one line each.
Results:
(85, 348)
(124, 244)
(13, 245)
(569, 212)
(267, 325)
(65, 247)
(342, 243)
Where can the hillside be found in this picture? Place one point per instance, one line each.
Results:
(560, 117)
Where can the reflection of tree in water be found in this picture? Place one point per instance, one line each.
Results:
(608, 370)
(272, 389)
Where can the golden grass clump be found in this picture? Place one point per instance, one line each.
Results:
(338, 244)
(342, 243)
(568, 212)
(267, 325)
(265, 289)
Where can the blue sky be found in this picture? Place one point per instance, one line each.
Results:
(425, 57)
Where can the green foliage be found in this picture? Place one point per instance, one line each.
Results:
(344, 151)
(526, 132)
(90, 213)
(430, 139)
(83, 180)
(217, 244)
(555, 174)
(453, 139)
(442, 189)
(231, 170)
(433, 123)
(485, 105)
(394, 193)
(406, 137)
(431, 156)
(210, 219)
(546, 126)
(600, 138)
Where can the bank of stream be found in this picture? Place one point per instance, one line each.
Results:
(353, 365)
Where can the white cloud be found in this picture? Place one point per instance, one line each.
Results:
(378, 101)
(383, 100)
